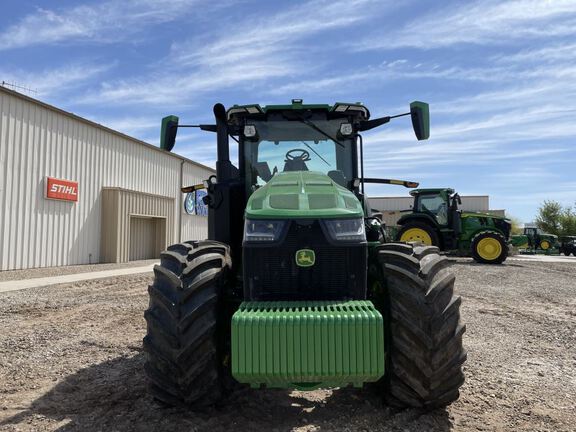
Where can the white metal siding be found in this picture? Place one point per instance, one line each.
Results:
(475, 203)
(38, 141)
(391, 203)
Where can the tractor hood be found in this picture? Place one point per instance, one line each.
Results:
(305, 195)
(486, 215)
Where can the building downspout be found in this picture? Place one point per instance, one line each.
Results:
(178, 201)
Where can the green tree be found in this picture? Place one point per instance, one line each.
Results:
(568, 221)
(516, 228)
(554, 219)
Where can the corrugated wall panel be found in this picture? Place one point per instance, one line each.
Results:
(142, 238)
(38, 141)
(120, 207)
(391, 203)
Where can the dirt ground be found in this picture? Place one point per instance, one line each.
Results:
(71, 360)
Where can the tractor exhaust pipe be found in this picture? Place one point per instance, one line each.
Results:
(223, 165)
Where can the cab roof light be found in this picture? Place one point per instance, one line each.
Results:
(352, 108)
(249, 109)
(346, 129)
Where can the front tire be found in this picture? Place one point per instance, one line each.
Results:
(185, 342)
(424, 338)
(489, 247)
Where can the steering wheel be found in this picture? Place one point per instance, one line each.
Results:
(298, 155)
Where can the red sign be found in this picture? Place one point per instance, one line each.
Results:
(61, 189)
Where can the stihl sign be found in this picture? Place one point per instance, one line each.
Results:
(61, 189)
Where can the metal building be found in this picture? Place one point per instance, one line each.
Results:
(75, 192)
(392, 207)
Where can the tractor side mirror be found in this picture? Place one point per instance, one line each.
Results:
(420, 114)
(168, 132)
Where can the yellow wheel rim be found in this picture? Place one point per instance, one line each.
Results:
(544, 244)
(416, 235)
(489, 248)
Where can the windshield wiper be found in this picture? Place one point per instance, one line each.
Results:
(317, 154)
(317, 129)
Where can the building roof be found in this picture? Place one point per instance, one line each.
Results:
(99, 126)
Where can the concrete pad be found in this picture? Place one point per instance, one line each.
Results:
(70, 278)
(544, 258)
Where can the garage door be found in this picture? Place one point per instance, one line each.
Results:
(144, 235)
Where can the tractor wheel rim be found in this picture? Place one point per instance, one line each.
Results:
(545, 245)
(489, 248)
(416, 235)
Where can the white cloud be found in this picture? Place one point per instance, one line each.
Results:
(273, 35)
(249, 54)
(483, 22)
(51, 82)
(102, 22)
(560, 52)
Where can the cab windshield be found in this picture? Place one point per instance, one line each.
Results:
(294, 146)
(436, 205)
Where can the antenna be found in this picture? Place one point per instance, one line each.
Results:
(15, 86)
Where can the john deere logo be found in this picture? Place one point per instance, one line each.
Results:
(305, 258)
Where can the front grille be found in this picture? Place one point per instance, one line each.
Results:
(271, 273)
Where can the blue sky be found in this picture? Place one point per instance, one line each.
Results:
(499, 77)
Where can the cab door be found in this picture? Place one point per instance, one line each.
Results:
(435, 205)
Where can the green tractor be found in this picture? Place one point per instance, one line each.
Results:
(295, 287)
(536, 240)
(568, 245)
(435, 220)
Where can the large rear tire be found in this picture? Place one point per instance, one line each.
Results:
(185, 342)
(418, 232)
(424, 333)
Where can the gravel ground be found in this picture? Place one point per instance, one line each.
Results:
(71, 360)
(11, 275)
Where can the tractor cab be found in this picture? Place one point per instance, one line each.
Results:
(298, 138)
(440, 204)
(538, 239)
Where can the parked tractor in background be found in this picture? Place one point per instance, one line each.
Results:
(436, 220)
(568, 245)
(295, 287)
(534, 239)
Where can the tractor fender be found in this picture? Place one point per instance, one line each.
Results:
(471, 234)
(426, 220)
(421, 217)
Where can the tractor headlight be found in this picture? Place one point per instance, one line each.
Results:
(345, 230)
(263, 230)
